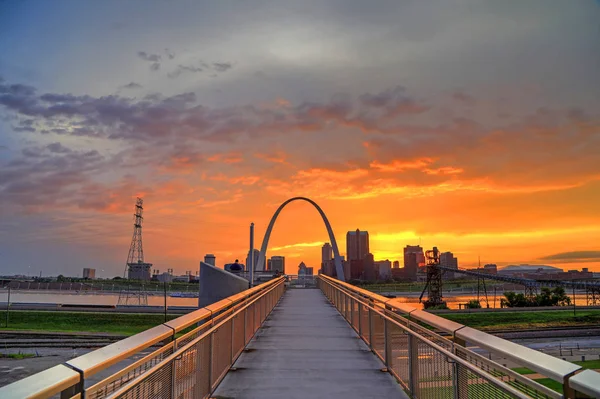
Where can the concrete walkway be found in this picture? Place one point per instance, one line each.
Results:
(307, 350)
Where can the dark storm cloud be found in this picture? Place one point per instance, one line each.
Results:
(155, 66)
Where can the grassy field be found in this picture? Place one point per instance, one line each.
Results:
(117, 323)
(550, 383)
(522, 319)
(17, 356)
(588, 364)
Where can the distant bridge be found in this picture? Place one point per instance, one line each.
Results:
(526, 281)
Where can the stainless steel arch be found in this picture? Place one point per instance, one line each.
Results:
(337, 259)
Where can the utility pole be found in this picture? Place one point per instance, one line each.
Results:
(251, 265)
(165, 294)
(8, 305)
(573, 300)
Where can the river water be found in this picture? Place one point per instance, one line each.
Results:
(453, 299)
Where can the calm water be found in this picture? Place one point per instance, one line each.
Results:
(453, 299)
(86, 298)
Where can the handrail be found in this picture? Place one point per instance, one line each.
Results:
(586, 382)
(451, 357)
(43, 384)
(556, 369)
(409, 328)
(75, 371)
(93, 362)
(177, 354)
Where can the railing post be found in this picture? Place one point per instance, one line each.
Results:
(173, 378)
(245, 322)
(352, 312)
(387, 344)
(568, 392)
(370, 321)
(73, 390)
(232, 341)
(210, 361)
(462, 388)
(359, 319)
(413, 366)
(455, 381)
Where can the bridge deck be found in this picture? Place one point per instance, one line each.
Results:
(307, 350)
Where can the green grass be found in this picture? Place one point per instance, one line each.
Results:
(474, 391)
(16, 355)
(523, 370)
(590, 364)
(550, 383)
(522, 319)
(117, 323)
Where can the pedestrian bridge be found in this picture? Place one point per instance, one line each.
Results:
(309, 338)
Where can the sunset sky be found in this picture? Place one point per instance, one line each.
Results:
(473, 126)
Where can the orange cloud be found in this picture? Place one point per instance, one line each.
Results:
(401, 165)
(229, 158)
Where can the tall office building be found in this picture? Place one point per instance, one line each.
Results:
(248, 259)
(326, 252)
(413, 259)
(357, 245)
(396, 264)
(277, 264)
(327, 259)
(384, 268)
(447, 259)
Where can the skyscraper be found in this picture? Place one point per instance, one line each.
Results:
(413, 259)
(277, 264)
(447, 259)
(357, 245)
(326, 252)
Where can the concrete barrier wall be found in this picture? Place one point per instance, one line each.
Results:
(217, 284)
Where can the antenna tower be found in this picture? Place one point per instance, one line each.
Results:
(136, 251)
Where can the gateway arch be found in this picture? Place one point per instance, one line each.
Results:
(337, 259)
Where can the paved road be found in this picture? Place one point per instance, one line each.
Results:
(307, 350)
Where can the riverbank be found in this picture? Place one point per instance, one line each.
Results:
(522, 319)
(116, 323)
(133, 323)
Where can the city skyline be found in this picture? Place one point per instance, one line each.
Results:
(470, 126)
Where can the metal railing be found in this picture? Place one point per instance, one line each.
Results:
(187, 364)
(430, 365)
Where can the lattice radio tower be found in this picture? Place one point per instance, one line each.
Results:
(135, 259)
(136, 251)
